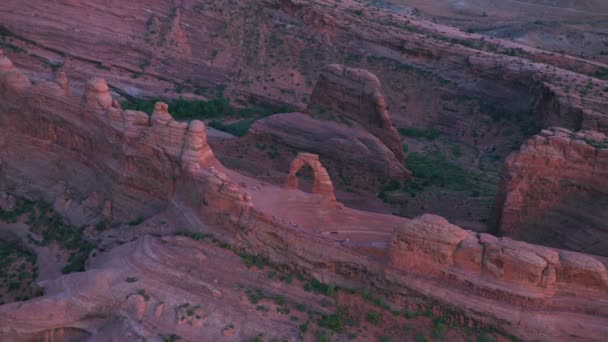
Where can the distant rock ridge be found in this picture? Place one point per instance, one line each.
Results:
(89, 155)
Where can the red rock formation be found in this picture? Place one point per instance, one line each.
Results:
(355, 94)
(557, 182)
(126, 149)
(348, 124)
(86, 152)
(430, 244)
(322, 183)
(351, 149)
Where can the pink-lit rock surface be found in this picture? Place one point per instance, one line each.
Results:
(554, 190)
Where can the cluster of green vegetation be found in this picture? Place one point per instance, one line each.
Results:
(17, 270)
(316, 286)
(190, 310)
(420, 134)
(367, 295)
(251, 260)
(171, 338)
(392, 185)
(601, 73)
(182, 109)
(48, 227)
(374, 317)
(338, 320)
(434, 169)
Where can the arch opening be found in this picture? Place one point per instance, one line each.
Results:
(321, 183)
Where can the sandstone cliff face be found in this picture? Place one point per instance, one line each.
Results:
(554, 190)
(355, 94)
(86, 155)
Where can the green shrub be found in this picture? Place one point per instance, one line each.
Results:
(253, 260)
(439, 328)
(333, 321)
(279, 300)
(374, 317)
(318, 287)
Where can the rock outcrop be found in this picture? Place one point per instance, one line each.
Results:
(342, 148)
(430, 244)
(124, 156)
(355, 94)
(555, 191)
(347, 123)
(88, 155)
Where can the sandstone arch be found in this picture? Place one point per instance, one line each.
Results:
(322, 183)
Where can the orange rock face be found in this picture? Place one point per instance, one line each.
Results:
(555, 185)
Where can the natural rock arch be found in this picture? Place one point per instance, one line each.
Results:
(322, 183)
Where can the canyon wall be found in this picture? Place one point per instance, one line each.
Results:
(117, 165)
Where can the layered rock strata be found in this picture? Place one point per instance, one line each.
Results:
(86, 155)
